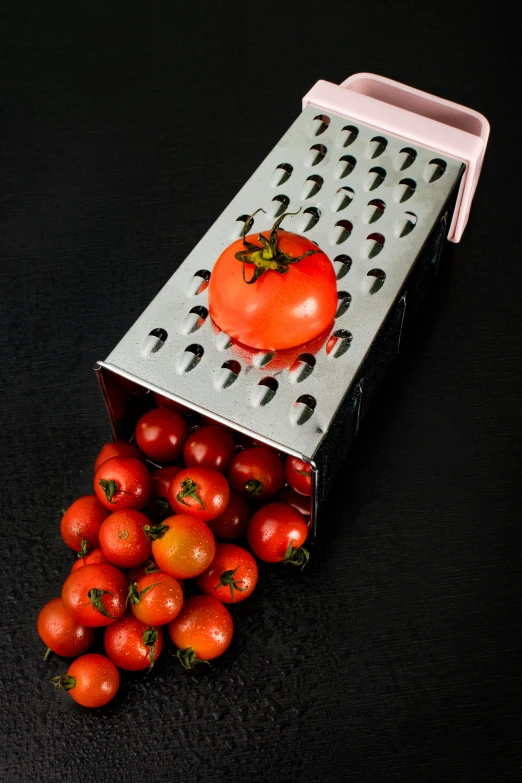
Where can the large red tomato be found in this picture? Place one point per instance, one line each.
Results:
(273, 290)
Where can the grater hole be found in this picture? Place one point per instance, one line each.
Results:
(190, 358)
(262, 358)
(376, 147)
(320, 123)
(348, 135)
(345, 166)
(228, 374)
(316, 155)
(281, 174)
(345, 301)
(342, 199)
(303, 409)
(154, 341)
(374, 178)
(341, 231)
(405, 190)
(311, 186)
(279, 205)
(434, 170)
(199, 282)
(373, 245)
(239, 227)
(374, 210)
(309, 219)
(338, 343)
(342, 265)
(265, 391)
(302, 368)
(405, 224)
(373, 281)
(194, 320)
(405, 158)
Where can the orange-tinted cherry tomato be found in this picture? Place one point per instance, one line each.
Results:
(187, 547)
(91, 680)
(202, 630)
(96, 556)
(156, 599)
(123, 539)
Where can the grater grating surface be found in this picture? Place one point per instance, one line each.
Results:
(370, 201)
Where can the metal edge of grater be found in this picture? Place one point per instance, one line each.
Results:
(380, 207)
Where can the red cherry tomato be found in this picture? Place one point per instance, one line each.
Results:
(275, 311)
(156, 599)
(96, 556)
(95, 595)
(231, 576)
(60, 633)
(202, 492)
(132, 645)
(299, 475)
(232, 523)
(123, 482)
(81, 523)
(257, 472)
(210, 447)
(186, 548)
(91, 680)
(123, 539)
(301, 503)
(202, 630)
(161, 434)
(166, 402)
(161, 479)
(118, 449)
(275, 534)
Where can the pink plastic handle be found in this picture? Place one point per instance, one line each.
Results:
(415, 116)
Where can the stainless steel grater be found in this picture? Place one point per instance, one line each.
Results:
(379, 204)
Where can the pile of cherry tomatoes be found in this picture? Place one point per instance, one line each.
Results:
(142, 534)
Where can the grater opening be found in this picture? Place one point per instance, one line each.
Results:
(338, 343)
(341, 231)
(315, 155)
(228, 374)
(376, 147)
(239, 228)
(342, 199)
(373, 245)
(279, 205)
(309, 219)
(154, 341)
(311, 186)
(405, 224)
(190, 358)
(405, 190)
(345, 166)
(194, 320)
(342, 265)
(374, 178)
(373, 281)
(434, 170)
(302, 368)
(265, 391)
(405, 158)
(374, 210)
(199, 282)
(320, 123)
(302, 409)
(348, 135)
(282, 173)
(345, 300)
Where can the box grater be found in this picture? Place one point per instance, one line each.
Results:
(382, 174)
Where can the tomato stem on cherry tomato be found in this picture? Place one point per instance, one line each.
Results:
(227, 580)
(134, 596)
(188, 659)
(83, 548)
(298, 556)
(254, 487)
(95, 595)
(63, 511)
(64, 682)
(47, 654)
(189, 490)
(269, 256)
(153, 532)
(150, 637)
(110, 488)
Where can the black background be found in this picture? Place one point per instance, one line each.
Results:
(126, 129)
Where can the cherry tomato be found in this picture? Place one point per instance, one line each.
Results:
(186, 548)
(123, 539)
(300, 502)
(91, 680)
(299, 475)
(60, 633)
(96, 556)
(156, 599)
(161, 479)
(150, 567)
(202, 492)
(232, 523)
(275, 534)
(231, 576)
(166, 402)
(202, 630)
(210, 447)
(123, 482)
(81, 523)
(95, 595)
(118, 449)
(273, 294)
(161, 434)
(133, 645)
(257, 472)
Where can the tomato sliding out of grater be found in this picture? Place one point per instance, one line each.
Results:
(383, 174)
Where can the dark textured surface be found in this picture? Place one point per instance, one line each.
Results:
(126, 128)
